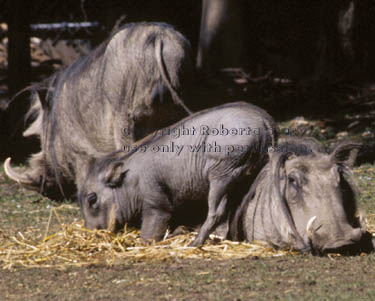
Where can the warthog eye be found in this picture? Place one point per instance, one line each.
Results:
(293, 181)
(92, 199)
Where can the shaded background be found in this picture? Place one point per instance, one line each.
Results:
(295, 58)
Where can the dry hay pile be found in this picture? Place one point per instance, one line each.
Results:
(74, 245)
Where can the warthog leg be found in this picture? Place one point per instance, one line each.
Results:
(217, 203)
(154, 224)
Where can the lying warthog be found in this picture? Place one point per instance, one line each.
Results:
(201, 157)
(303, 198)
(126, 88)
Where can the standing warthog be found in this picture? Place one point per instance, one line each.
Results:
(303, 198)
(201, 157)
(127, 87)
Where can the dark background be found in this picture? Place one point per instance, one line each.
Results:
(269, 42)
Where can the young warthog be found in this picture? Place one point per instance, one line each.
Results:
(304, 198)
(202, 156)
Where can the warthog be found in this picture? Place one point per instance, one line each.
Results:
(127, 87)
(201, 157)
(304, 198)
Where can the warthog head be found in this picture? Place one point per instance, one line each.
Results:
(316, 192)
(102, 196)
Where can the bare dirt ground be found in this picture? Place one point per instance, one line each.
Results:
(297, 277)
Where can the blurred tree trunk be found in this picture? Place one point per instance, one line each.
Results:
(222, 35)
(19, 57)
(327, 42)
(19, 68)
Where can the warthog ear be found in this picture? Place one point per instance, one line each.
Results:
(345, 153)
(115, 174)
(277, 159)
(275, 153)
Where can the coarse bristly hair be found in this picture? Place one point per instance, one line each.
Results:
(145, 63)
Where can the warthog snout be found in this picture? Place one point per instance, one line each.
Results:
(351, 239)
(324, 240)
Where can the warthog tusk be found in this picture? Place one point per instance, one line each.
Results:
(8, 170)
(309, 228)
(112, 219)
(20, 179)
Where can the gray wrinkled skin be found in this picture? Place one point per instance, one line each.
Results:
(304, 199)
(152, 184)
(125, 89)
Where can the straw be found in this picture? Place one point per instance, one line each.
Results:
(76, 246)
